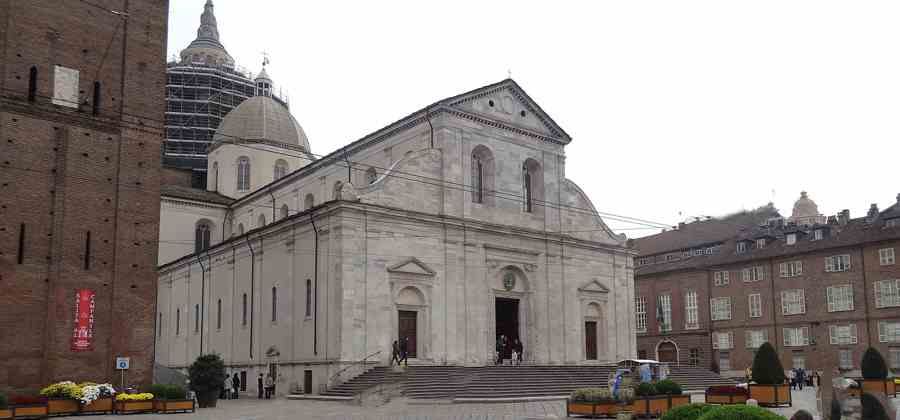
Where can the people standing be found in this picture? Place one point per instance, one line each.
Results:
(395, 353)
(518, 348)
(792, 376)
(801, 377)
(404, 351)
(228, 387)
(499, 350)
(236, 382)
(259, 386)
(270, 386)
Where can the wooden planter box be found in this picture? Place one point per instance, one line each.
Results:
(29, 411)
(98, 406)
(658, 405)
(582, 408)
(880, 386)
(726, 398)
(771, 395)
(6, 413)
(62, 406)
(173, 406)
(132, 407)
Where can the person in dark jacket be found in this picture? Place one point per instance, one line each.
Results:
(259, 386)
(395, 353)
(518, 348)
(236, 383)
(404, 351)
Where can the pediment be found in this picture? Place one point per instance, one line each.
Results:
(508, 103)
(594, 286)
(411, 266)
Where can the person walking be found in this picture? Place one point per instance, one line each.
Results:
(792, 375)
(404, 351)
(499, 350)
(270, 386)
(259, 386)
(395, 353)
(228, 387)
(518, 349)
(236, 382)
(801, 378)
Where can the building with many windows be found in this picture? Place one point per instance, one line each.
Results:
(820, 289)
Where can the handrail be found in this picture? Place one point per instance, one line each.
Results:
(361, 361)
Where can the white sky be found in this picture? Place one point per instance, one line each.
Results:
(676, 109)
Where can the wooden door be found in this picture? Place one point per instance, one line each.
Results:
(307, 382)
(590, 340)
(667, 353)
(407, 330)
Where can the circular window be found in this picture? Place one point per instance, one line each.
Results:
(522, 113)
(491, 103)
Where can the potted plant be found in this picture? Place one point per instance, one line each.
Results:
(726, 394)
(134, 403)
(592, 402)
(767, 386)
(875, 375)
(656, 399)
(96, 398)
(5, 412)
(62, 398)
(207, 375)
(171, 399)
(24, 407)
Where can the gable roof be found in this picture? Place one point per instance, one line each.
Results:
(196, 194)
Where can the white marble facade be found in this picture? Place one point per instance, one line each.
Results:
(409, 228)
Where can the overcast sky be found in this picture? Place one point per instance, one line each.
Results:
(676, 109)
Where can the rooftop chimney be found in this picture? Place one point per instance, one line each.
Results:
(843, 217)
(873, 212)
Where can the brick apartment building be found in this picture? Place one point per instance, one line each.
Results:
(820, 289)
(82, 101)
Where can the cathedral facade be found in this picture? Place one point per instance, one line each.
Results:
(449, 228)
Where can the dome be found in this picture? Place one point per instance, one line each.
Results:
(207, 48)
(804, 207)
(262, 118)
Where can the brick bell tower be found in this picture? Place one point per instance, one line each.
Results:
(82, 101)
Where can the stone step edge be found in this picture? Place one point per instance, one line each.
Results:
(318, 397)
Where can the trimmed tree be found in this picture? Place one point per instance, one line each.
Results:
(872, 408)
(207, 378)
(873, 365)
(767, 368)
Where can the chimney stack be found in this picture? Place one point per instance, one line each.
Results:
(873, 212)
(844, 217)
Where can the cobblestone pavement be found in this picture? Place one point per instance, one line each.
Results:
(282, 409)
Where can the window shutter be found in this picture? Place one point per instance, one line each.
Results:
(832, 334)
(853, 339)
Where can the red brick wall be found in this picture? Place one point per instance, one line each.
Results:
(65, 172)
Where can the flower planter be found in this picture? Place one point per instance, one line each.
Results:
(62, 406)
(658, 405)
(98, 406)
(596, 409)
(29, 411)
(771, 395)
(6, 413)
(726, 398)
(880, 386)
(132, 407)
(173, 406)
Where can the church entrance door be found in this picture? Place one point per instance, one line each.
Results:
(667, 353)
(590, 340)
(407, 329)
(507, 313)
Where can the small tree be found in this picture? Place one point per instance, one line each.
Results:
(767, 369)
(207, 378)
(873, 365)
(872, 408)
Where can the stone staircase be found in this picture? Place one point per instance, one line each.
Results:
(504, 382)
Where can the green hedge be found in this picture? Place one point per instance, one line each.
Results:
(873, 365)
(668, 387)
(687, 412)
(3, 401)
(767, 368)
(645, 389)
(739, 412)
(167, 392)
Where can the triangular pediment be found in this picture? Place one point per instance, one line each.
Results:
(411, 266)
(594, 286)
(506, 102)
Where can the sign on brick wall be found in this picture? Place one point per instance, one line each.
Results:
(83, 332)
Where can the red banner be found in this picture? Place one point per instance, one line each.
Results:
(83, 333)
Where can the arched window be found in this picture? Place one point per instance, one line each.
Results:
(338, 186)
(240, 229)
(482, 175)
(261, 221)
(532, 186)
(309, 202)
(274, 304)
(371, 175)
(243, 173)
(202, 235)
(281, 169)
(284, 211)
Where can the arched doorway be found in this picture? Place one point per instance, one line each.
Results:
(667, 352)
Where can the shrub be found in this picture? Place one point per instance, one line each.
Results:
(64, 389)
(668, 387)
(593, 395)
(3, 403)
(626, 395)
(872, 408)
(144, 396)
(873, 366)
(207, 374)
(767, 368)
(739, 412)
(726, 390)
(687, 412)
(645, 389)
(167, 392)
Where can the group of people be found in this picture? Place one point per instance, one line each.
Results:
(514, 349)
(400, 351)
(799, 377)
(231, 387)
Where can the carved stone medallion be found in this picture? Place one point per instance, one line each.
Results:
(509, 281)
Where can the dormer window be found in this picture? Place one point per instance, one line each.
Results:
(742, 247)
(818, 234)
(791, 238)
(760, 243)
